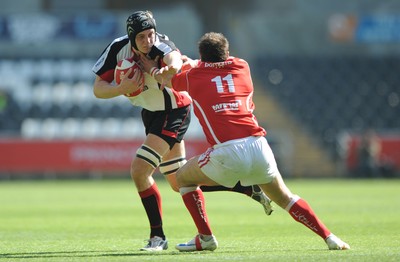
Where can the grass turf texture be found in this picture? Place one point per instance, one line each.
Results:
(104, 220)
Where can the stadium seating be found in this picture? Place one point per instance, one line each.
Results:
(327, 95)
(53, 98)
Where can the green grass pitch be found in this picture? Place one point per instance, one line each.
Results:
(103, 220)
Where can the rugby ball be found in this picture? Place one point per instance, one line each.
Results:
(122, 68)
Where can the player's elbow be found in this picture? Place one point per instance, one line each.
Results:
(96, 93)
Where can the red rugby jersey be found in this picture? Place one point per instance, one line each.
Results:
(222, 97)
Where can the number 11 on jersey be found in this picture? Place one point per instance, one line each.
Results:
(218, 80)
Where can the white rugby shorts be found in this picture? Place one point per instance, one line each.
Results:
(249, 160)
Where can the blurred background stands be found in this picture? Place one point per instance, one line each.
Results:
(331, 67)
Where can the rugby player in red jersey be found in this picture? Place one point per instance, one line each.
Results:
(221, 88)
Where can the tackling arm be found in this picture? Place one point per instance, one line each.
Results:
(173, 63)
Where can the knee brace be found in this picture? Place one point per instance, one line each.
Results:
(172, 165)
(149, 155)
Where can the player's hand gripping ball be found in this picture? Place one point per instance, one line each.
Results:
(122, 68)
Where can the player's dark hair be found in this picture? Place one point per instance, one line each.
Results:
(213, 47)
(138, 22)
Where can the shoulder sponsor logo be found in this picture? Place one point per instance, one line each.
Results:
(99, 63)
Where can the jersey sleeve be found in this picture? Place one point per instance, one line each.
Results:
(108, 60)
(189, 65)
(179, 81)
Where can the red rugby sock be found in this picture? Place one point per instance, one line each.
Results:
(151, 200)
(194, 202)
(303, 213)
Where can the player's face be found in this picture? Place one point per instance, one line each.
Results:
(145, 40)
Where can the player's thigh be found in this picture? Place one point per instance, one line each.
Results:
(157, 144)
(177, 151)
(171, 179)
(190, 175)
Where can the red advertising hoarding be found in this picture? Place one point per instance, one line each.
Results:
(390, 151)
(18, 155)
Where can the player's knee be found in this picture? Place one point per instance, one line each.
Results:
(174, 187)
(172, 182)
